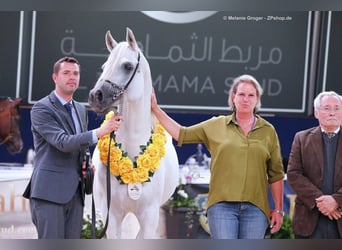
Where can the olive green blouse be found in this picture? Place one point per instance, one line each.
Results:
(241, 166)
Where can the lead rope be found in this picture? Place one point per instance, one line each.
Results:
(93, 212)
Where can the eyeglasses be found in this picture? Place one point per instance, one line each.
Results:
(330, 109)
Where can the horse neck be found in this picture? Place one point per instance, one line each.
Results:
(136, 127)
(5, 124)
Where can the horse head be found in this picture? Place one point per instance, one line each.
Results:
(124, 74)
(10, 124)
(125, 86)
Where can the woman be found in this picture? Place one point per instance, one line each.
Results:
(245, 158)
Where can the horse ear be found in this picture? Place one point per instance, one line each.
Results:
(110, 42)
(17, 100)
(130, 38)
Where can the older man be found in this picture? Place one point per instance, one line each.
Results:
(315, 172)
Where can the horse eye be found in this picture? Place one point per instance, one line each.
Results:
(128, 66)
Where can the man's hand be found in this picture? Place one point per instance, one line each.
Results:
(328, 206)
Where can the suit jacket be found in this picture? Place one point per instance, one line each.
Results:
(305, 176)
(57, 167)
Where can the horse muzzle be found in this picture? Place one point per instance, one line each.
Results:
(14, 146)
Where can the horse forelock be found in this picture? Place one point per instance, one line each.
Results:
(4, 98)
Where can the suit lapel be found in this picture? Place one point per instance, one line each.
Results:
(62, 112)
(338, 161)
(317, 145)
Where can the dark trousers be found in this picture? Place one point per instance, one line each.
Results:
(325, 229)
(58, 221)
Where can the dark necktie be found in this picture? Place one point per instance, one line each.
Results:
(68, 108)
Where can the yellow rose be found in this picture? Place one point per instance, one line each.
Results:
(103, 157)
(125, 165)
(155, 162)
(114, 168)
(152, 150)
(159, 139)
(128, 178)
(159, 129)
(115, 154)
(143, 161)
(103, 143)
(142, 174)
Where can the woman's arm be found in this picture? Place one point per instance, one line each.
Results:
(170, 125)
(277, 190)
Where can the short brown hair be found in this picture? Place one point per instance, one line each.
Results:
(69, 59)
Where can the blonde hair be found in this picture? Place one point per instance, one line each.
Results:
(246, 79)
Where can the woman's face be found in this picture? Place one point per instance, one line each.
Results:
(245, 98)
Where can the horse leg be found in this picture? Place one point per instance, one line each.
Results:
(130, 226)
(149, 221)
(114, 224)
(100, 195)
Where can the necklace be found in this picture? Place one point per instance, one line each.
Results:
(145, 164)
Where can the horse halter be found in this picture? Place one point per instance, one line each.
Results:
(118, 91)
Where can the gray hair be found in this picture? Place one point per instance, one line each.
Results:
(317, 101)
(248, 79)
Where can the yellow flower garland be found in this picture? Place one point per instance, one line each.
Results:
(145, 164)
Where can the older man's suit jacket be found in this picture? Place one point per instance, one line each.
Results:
(305, 176)
(57, 166)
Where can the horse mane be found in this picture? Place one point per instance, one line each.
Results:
(4, 98)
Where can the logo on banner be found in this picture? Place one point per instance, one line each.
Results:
(179, 17)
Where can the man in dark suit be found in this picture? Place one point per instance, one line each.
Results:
(315, 172)
(56, 188)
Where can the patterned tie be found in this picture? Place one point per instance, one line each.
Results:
(330, 134)
(68, 107)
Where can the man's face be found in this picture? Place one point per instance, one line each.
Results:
(68, 78)
(329, 113)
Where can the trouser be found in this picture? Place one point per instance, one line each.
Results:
(58, 221)
(325, 229)
(236, 220)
